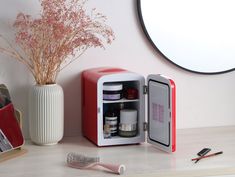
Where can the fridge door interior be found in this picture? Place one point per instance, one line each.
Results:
(161, 130)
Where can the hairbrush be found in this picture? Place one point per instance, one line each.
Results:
(83, 162)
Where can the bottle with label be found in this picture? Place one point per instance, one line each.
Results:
(111, 121)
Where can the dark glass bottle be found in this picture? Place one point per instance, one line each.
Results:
(111, 119)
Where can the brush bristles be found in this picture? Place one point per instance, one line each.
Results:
(80, 160)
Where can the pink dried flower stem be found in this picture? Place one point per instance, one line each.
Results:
(64, 31)
(12, 52)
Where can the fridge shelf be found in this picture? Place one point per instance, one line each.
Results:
(120, 101)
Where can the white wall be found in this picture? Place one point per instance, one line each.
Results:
(202, 100)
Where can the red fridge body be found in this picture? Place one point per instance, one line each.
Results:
(106, 88)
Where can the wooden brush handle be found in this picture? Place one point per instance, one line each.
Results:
(119, 169)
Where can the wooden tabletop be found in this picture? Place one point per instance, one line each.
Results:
(140, 160)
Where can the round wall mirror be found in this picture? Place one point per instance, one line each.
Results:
(196, 35)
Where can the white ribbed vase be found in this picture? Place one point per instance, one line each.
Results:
(46, 114)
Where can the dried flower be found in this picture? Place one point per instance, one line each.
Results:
(62, 33)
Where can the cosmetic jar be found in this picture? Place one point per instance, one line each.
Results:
(128, 123)
(112, 91)
(131, 93)
(111, 120)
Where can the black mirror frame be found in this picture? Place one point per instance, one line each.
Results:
(139, 12)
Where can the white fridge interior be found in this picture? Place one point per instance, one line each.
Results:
(128, 80)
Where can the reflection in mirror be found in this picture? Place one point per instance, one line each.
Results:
(197, 35)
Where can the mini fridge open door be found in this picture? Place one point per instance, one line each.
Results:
(161, 113)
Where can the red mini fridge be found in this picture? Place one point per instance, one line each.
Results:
(114, 104)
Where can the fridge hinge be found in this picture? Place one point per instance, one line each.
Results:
(145, 89)
(145, 126)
